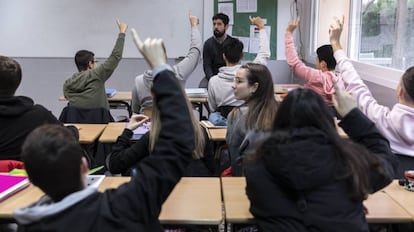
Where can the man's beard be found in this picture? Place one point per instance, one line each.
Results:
(218, 34)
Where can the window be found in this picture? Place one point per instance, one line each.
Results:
(386, 37)
(380, 31)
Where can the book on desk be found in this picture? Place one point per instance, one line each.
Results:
(196, 92)
(10, 185)
(141, 130)
(209, 125)
(110, 92)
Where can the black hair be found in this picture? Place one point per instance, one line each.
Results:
(52, 157)
(82, 59)
(10, 76)
(408, 82)
(233, 50)
(223, 18)
(305, 108)
(325, 53)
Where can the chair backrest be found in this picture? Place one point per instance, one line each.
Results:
(73, 114)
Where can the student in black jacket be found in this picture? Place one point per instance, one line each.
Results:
(306, 178)
(19, 115)
(126, 155)
(54, 163)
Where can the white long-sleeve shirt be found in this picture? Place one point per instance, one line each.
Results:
(397, 124)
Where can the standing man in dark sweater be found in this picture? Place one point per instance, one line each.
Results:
(18, 114)
(213, 47)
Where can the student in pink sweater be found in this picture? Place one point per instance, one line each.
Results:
(319, 79)
(396, 124)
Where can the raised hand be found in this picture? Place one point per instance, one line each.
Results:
(136, 120)
(122, 26)
(194, 21)
(335, 31)
(292, 25)
(153, 50)
(257, 21)
(343, 101)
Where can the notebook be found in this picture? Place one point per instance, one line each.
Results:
(209, 125)
(10, 185)
(196, 92)
(94, 180)
(110, 92)
(141, 130)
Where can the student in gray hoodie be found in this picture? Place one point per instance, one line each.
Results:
(141, 94)
(220, 91)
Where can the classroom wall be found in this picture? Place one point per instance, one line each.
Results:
(43, 78)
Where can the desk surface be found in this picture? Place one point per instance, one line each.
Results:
(381, 207)
(88, 133)
(193, 200)
(111, 132)
(403, 197)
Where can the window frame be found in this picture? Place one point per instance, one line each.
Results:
(384, 76)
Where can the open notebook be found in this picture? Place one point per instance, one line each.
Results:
(196, 92)
(94, 180)
(10, 185)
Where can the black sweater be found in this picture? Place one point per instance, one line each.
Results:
(295, 188)
(136, 205)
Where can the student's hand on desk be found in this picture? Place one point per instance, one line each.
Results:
(194, 21)
(136, 120)
(257, 21)
(153, 50)
(122, 26)
(343, 101)
(292, 25)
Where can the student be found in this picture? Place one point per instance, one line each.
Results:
(304, 177)
(86, 89)
(18, 115)
(126, 155)
(322, 78)
(54, 164)
(141, 94)
(213, 47)
(397, 124)
(220, 92)
(251, 122)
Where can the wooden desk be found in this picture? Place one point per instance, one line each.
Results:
(111, 132)
(381, 207)
(193, 200)
(403, 197)
(88, 133)
(20, 199)
(216, 134)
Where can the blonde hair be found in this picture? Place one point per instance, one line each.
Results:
(198, 152)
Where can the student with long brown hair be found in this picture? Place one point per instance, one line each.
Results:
(250, 122)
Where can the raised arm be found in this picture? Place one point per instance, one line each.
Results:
(157, 174)
(186, 66)
(295, 63)
(105, 70)
(354, 84)
(363, 131)
(263, 53)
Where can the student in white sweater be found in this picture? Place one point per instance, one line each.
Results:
(396, 124)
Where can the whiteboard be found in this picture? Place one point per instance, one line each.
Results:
(59, 28)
